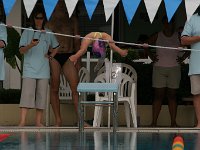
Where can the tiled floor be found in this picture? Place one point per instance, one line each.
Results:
(71, 139)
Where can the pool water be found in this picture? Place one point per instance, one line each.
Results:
(97, 140)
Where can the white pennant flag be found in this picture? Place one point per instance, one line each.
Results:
(152, 8)
(191, 6)
(71, 4)
(109, 6)
(29, 5)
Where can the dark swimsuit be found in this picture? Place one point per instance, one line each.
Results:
(62, 57)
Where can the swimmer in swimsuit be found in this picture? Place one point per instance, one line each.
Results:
(98, 46)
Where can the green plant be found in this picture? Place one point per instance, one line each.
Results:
(12, 49)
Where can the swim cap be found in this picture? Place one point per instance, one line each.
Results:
(99, 48)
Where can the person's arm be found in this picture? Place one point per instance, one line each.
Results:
(24, 49)
(188, 40)
(53, 52)
(187, 37)
(151, 40)
(84, 45)
(76, 41)
(182, 58)
(2, 44)
(54, 45)
(24, 44)
(112, 45)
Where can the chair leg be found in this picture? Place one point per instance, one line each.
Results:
(134, 114)
(127, 114)
(97, 116)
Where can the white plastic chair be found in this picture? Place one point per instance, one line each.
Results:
(126, 94)
(127, 69)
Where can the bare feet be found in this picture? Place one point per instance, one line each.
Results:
(21, 124)
(153, 125)
(39, 125)
(86, 124)
(174, 125)
(198, 126)
(58, 124)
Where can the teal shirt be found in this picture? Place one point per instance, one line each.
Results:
(3, 37)
(192, 28)
(36, 65)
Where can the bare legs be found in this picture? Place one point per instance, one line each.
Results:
(33, 98)
(196, 101)
(71, 75)
(54, 89)
(172, 104)
(23, 112)
(38, 119)
(157, 104)
(39, 116)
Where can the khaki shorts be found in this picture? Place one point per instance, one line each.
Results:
(34, 93)
(166, 77)
(195, 84)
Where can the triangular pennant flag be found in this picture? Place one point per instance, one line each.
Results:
(49, 6)
(8, 5)
(191, 6)
(130, 7)
(71, 4)
(152, 8)
(29, 5)
(90, 6)
(171, 7)
(109, 6)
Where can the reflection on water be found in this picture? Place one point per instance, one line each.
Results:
(96, 141)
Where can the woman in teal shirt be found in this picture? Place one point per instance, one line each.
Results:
(36, 71)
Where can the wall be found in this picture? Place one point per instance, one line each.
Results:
(13, 77)
(9, 115)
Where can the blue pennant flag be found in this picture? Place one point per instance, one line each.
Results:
(90, 6)
(171, 7)
(8, 5)
(49, 6)
(130, 7)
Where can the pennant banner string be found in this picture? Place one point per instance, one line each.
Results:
(118, 42)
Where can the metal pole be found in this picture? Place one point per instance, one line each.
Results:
(111, 61)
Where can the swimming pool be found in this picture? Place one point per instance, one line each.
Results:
(67, 139)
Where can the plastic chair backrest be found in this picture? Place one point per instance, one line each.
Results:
(125, 84)
(64, 89)
(127, 69)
